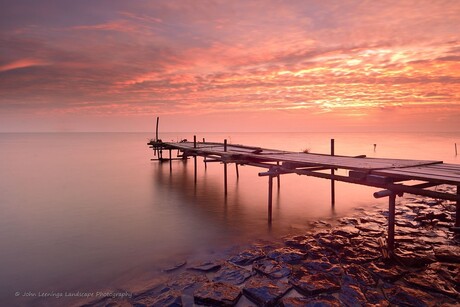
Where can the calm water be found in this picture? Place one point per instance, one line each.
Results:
(89, 211)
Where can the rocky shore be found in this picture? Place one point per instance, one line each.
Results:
(340, 263)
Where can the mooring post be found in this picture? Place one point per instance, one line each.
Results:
(455, 149)
(194, 155)
(170, 160)
(237, 172)
(225, 169)
(278, 176)
(391, 222)
(270, 197)
(332, 180)
(156, 130)
(457, 216)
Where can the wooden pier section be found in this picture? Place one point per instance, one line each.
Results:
(393, 176)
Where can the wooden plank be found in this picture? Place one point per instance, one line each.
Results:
(408, 175)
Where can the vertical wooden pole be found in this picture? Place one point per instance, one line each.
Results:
(156, 130)
(278, 177)
(225, 169)
(332, 173)
(270, 197)
(170, 160)
(455, 148)
(457, 217)
(237, 171)
(194, 156)
(391, 222)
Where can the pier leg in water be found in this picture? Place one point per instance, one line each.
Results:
(225, 170)
(332, 180)
(170, 160)
(270, 198)
(457, 216)
(237, 172)
(391, 222)
(278, 177)
(194, 157)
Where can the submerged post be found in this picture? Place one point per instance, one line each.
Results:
(156, 131)
(237, 172)
(170, 160)
(194, 156)
(270, 197)
(391, 222)
(278, 176)
(332, 180)
(457, 216)
(225, 169)
(455, 148)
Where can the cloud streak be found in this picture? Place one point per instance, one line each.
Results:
(350, 59)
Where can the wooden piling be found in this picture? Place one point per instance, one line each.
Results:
(391, 222)
(225, 169)
(270, 197)
(156, 130)
(278, 176)
(170, 160)
(332, 174)
(237, 172)
(194, 157)
(455, 148)
(457, 214)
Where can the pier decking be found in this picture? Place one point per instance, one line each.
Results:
(393, 176)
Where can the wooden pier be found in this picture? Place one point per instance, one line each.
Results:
(393, 176)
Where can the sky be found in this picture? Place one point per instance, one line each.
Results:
(240, 65)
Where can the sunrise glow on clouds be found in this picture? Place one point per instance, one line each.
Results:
(230, 65)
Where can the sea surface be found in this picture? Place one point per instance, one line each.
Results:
(87, 212)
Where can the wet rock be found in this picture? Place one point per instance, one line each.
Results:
(370, 229)
(448, 253)
(352, 296)
(334, 242)
(170, 298)
(314, 283)
(359, 254)
(175, 266)
(247, 257)
(108, 302)
(298, 242)
(320, 252)
(360, 275)
(272, 268)
(187, 280)
(319, 301)
(232, 274)
(217, 294)
(287, 255)
(206, 267)
(346, 231)
(385, 271)
(404, 296)
(322, 265)
(264, 291)
(448, 271)
(349, 221)
(414, 258)
(430, 281)
(376, 298)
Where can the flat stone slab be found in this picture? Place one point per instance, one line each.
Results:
(206, 267)
(351, 296)
(271, 268)
(247, 257)
(430, 281)
(217, 294)
(404, 296)
(387, 272)
(264, 291)
(232, 274)
(170, 298)
(319, 301)
(322, 266)
(448, 253)
(314, 283)
(287, 255)
(360, 275)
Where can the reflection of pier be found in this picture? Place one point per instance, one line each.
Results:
(393, 176)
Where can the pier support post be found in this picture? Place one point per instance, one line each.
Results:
(332, 180)
(225, 169)
(170, 160)
(391, 222)
(278, 177)
(194, 156)
(270, 198)
(457, 215)
(237, 172)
